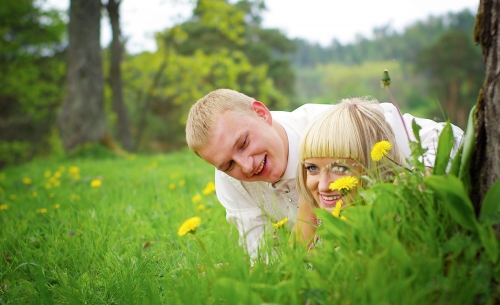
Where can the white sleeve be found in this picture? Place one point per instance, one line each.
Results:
(429, 134)
(429, 137)
(241, 211)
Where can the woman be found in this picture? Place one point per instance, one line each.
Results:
(335, 153)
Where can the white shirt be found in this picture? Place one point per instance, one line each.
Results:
(252, 206)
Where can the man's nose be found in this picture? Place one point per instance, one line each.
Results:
(245, 163)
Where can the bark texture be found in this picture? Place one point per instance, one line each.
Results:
(82, 118)
(485, 164)
(115, 79)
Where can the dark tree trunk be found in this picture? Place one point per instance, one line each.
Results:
(485, 164)
(116, 53)
(81, 118)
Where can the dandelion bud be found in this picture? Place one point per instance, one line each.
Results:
(386, 80)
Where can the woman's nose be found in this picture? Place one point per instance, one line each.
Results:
(324, 181)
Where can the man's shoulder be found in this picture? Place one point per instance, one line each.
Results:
(311, 109)
(299, 118)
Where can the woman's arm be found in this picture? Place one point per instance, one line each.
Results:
(305, 227)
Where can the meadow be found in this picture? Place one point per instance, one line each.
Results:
(100, 229)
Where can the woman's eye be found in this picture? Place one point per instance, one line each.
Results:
(339, 169)
(312, 168)
(244, 142)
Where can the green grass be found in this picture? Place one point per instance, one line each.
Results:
(117, 243)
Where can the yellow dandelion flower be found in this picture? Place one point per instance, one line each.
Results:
(56, 206)
(380, 150)
(209, 189)
(336, 210)
(74, 170)
(57, 183)
(132, 156)
(47, 174)
(200, 207)
(76, 177)
(345, 183)
(154, 165)
(196, 198)
(52, 179)
(48, 186)
(26, 180)
(51, 195)
(13, 197)
(34, 194)
(280, 223)
(3, 207)
(41, 211)
(171, 186)
(57, 174)
(75, 197)
(189, 225)
(182, 182)
(96, 183)
(174, 175)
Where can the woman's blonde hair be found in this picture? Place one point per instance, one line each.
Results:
(204, 113)
(348, 130)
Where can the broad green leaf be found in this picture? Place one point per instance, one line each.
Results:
(489, 241)
(416, 147)
(451, 191)
(333, 225)
(416, 131)
(445, 144)
(455, 163)
(490, 208)
(235, 292)
(468, 144)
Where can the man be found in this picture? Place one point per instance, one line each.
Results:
(255, 152)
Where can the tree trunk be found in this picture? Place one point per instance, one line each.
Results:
(116, 53)
(485, 164)
(82, 118)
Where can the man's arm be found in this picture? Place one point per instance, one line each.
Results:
(241, 211)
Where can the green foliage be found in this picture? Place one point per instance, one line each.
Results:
(13, 152)
(218, 26)
(118, 243)
(422, 57)
(31, 74)
(468, 148)
(454, 77)
(445, 146)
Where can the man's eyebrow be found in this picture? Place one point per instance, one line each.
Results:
(219, 167)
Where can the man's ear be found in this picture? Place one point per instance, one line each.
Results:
(262, 111)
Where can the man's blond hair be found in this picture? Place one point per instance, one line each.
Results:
(348, 130)
(204, 113)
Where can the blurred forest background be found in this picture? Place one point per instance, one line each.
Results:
(435, 67)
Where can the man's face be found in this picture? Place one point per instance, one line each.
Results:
(246, 146)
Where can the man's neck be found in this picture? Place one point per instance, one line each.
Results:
(284, 139)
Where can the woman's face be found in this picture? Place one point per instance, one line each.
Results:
(323, 171)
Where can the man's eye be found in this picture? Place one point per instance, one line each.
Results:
(244, 142)
(229, 166)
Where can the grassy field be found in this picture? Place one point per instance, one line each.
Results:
(97, 229)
